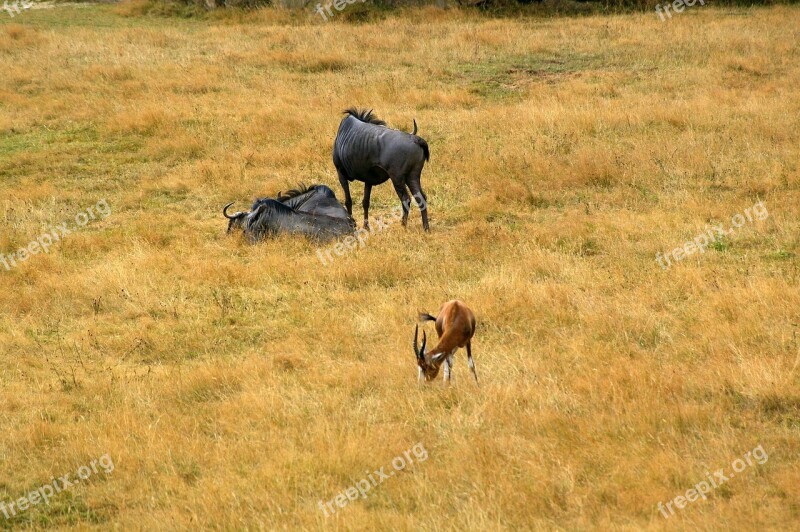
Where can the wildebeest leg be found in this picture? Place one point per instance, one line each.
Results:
(405, 199)
(367, 192)
(348, 201)
(422, 200)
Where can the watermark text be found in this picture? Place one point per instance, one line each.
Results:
(374, 479)
(712, 482)
(44, 241)
(56, 486)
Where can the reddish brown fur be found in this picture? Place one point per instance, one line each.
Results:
(455, 326)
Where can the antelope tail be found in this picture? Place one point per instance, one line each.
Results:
(424, 316)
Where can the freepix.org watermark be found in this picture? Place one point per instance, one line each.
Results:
(338, 4)
(703, 488)
(360, 236)
(363, 486)
(43, 243)
(56, 486)
(15, 7)
(708, 237)
(678, 6)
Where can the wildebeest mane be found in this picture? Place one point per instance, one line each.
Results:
(293, 193)
(364, 115)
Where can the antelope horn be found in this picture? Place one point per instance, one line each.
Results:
(419, 353)
(415, 127)
(225, 211)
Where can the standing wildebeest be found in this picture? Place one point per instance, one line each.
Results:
(366, 150)
(312, 211)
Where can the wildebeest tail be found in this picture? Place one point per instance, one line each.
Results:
(424, 316)
(424, 145)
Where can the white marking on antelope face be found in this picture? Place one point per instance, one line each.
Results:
(428, 370)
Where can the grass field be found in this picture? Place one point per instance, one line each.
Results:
(237, 386)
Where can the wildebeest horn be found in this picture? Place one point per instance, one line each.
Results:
(415, 126)
(225, 211)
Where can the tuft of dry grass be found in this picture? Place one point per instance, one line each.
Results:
(235, 386)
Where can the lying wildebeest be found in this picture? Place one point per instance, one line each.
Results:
(366, 150)
(311, 211)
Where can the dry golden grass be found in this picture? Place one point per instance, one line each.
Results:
(235, 386)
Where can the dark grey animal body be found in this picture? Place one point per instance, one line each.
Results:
(313, 212)
(317, 199)
(368, 151)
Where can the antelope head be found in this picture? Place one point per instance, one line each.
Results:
(428, 364)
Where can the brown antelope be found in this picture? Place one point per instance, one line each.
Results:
(455, 326)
